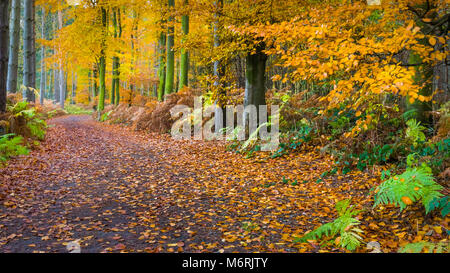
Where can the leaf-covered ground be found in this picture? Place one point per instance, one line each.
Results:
(116, 190)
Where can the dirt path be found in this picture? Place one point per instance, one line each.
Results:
(116, 190)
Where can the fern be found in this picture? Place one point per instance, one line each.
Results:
(419, 247)
(345, 226)
(414, 132)
(11, 145)
(33, 121)
(416, 184)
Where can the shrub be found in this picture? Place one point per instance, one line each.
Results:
(414, 132)
(11, 145)
(33, 121)
(442, 247)
(415, 184)
(343, 230)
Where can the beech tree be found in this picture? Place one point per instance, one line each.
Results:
(29, 52)
(184, 62)
(4, 34)
(14, 46)
(170, 54)
(43, 72)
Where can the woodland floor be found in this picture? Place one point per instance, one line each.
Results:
(116, 190)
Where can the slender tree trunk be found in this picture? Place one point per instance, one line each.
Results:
(50, 84)
(95, 82)
(14, 47)
(117, 60)
(114, 70)
(170, 57)
(4, 34)
(33, 48)
(184, 64)
(113, 82)
(74, 87)
(62, 89)
(161, 66)
(28, 38)
(102, 64)
(220, 113)
(90, 85)
(43, 73)
(56, 91)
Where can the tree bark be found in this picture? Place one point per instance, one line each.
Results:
(170, 56)
(33, 48)
(255, 89)
(424, 74)
(28, 41)
(115, 92)
(4, 34)
(62, 89)
(43, 73)
(102, 64)
(161, 66)
(219, 113)
(74, 87)
(14, 47)
(95, 89)
(184, 63)
(56, 85)
(117, 60)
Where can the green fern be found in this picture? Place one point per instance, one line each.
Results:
(414, 132)
(345, 226)
(416, 184)
(36, 125)
(11, 145)
(419, 247)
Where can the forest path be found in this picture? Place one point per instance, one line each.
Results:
(118, 190)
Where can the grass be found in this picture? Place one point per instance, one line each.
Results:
(77, 110)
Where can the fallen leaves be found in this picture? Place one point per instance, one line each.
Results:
(122, 191)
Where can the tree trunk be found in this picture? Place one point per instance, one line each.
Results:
(117, 60)
(43, 78)
(50, 84)
(133, 65)
(161, 66)
(113, 83)
(14, 47)
(115, 99)
(28, 38)
(4, 34)
(62, 89)
(220, 113)
(424, 74)
(74, 87)
(33, 49)
(255, 79)
(170, 56)
(184, 64)
(95, 83)
(102, 64)
(56, 85)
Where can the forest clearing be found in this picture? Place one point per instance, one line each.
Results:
(182, 126)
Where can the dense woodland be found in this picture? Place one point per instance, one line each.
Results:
(86, 89)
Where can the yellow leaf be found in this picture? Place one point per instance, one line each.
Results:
(432, 41)
(438, 229)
